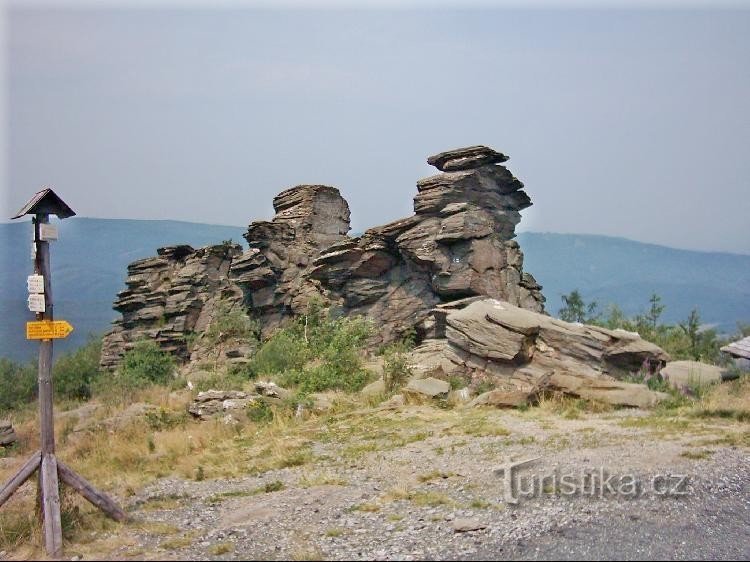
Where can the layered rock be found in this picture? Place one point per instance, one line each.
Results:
(308, 219)
(522, 350)
(169, 297)
(459, 243)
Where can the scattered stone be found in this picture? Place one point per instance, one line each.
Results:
(212, 403)
(7, 434)
(463, 525)
(430, 387)
(374, 388)
(394, 402)
(502, 399)
(271, 390)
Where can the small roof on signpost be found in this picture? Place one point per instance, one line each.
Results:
(46, 202)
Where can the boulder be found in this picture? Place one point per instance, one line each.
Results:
(271, 390)
(690, 373)
(212, 403)
(430, 387)
(7, 434)
(374, 388)
(502, 399)
(526, 352)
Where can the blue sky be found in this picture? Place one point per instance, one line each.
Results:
(625, 122)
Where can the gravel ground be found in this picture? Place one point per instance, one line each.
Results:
(404, 502)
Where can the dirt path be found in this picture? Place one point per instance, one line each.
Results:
(394, 485)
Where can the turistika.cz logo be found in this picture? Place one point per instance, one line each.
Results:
(595, 483)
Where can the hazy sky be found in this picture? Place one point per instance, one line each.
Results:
(630, 123)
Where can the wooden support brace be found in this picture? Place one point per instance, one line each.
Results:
(20, 477)
(100, 500)
(51, 506)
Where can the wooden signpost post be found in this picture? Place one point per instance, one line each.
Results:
(46, 329)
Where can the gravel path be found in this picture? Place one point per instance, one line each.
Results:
(402, 495)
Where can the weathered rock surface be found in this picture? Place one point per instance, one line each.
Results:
(212, 403)
(525, 352)
(7, 434)
(430, 387)
(502, 399)
(686, 373)
(309, 218)
(170, 297)
(459, 243)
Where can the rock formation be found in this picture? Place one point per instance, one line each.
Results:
(309, 218)
(170, 297)
(522, 350)
(459, 243)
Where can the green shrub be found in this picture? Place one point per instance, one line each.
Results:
(396, 369)
(74, 373)
(144, 365)
(260, 412)
(17, 384)
(316, 352)
(231, 324)
(284, 351)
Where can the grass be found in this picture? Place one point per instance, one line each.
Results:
(698, 454)
(221, 548)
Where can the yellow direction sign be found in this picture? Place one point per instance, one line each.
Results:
(48, 330)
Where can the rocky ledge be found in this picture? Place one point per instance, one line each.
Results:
(525, 353)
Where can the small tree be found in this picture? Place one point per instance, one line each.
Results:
(576, 310)
(655, 311)
(691, 327)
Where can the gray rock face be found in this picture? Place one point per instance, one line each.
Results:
(430, 387)
(526, 352)
(686, 373)
(169, 297)
(459, 243)
(7, 434)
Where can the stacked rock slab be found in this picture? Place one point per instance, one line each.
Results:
(521, 350)
(309, 218)
(458, 243)
(169, 297)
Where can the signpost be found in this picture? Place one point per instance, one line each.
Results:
(46, 329)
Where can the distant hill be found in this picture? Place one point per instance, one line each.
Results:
(88, 269)
(616, 270)
(90, 259)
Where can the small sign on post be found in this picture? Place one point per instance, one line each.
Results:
(47, 232)
(37, 303)
(45, 328)
(35, 284)
(48, 330)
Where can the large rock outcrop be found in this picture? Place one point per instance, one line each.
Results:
(309, 218)
(170, 297)
(458, 243)
(522, 350)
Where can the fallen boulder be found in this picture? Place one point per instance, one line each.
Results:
(527, 352)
